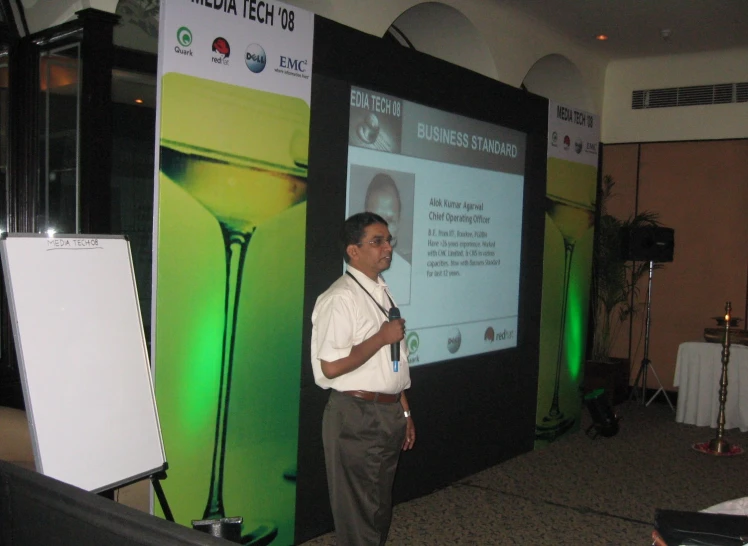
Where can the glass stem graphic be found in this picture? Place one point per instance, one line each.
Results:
(572, 220)
(554, 413)
(236, 251)
(240, 195)
(246, 164)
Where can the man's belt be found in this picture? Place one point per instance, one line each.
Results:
(374, 396)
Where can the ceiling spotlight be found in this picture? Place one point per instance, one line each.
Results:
(139, 101)
(601, 37)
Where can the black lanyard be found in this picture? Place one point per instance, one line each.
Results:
(386, 314)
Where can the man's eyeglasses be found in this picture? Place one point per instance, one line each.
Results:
(376, 242)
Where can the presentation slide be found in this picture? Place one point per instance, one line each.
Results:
(451, 189)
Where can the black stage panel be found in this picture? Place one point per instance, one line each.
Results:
(470, 413)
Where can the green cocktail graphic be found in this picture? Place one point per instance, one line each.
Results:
(242, 155)
(572, 219)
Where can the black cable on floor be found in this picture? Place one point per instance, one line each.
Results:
(581, 510)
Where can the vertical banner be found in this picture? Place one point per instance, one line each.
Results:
(573, 143)
(233, 136)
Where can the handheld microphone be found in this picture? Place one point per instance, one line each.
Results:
(395, 347)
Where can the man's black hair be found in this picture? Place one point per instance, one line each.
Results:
(354, 228)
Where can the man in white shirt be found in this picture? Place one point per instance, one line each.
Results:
(367, 419)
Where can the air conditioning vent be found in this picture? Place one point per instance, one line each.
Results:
(741, 92)
(723, 93)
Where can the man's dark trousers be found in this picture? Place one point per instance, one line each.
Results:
(362, 443)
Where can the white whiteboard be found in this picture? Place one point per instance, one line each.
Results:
(83, 358)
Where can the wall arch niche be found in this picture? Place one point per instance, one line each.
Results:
(556, 78)
(443, 32)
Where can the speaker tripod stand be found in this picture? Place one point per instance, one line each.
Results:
(646, 365)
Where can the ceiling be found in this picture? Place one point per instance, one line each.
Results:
(635, 27)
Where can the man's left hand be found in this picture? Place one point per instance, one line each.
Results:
(410, 435)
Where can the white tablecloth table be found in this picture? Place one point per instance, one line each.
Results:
(697, 374)
(736, 507)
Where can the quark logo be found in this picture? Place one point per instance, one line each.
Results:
(221, 50)
(578, 145)
(412, 342)
(567, 142)
(454, 340)
(554, 138)
(255, 58)
(184, 37)
(489, 335)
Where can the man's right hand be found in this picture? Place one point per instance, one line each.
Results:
(389, 333)
(392, 331)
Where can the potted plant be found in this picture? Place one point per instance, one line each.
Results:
(615, 295)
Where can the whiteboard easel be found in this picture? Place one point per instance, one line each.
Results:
(83, 359)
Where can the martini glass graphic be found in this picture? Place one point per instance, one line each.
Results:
(572, 219)
(241, 191)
